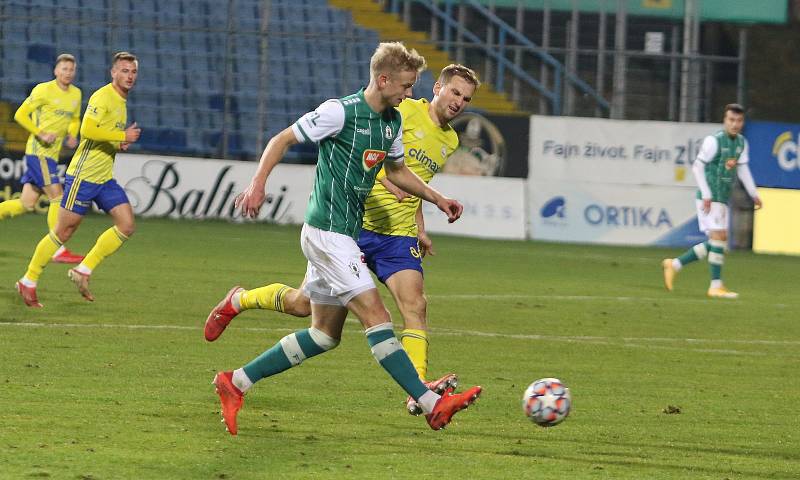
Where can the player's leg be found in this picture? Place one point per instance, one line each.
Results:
(37, 175)
(275, 296)
(68, 221)
(24, 204)
(389, 353)
(324, 334)
(718, 240)
(671, 266)
(111, 198)
(55, 194)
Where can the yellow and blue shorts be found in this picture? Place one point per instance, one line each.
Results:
(79, 195)
(389, 254)
(40, 171)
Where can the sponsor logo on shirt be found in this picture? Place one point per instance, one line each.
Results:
(372, 158)
(363, 131)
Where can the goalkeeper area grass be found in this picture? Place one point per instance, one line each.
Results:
(664, 385)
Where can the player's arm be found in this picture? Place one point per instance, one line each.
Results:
(253, 197)
(746, 177)
(399, 174)
(425, 242)
(23, 116)
(707, 152)
(92, 129)
(327, 120)
(391, 187)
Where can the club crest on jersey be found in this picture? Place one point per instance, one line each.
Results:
(388, 133)
(372, 158)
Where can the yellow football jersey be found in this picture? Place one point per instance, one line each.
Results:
(427, 147)
(107, 114)
(52, 111)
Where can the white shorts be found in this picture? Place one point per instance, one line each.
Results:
(336, 270)
(715, 219)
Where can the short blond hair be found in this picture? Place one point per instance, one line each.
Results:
(65, 57)
(123, 56)
(395, 57)
(458, 70)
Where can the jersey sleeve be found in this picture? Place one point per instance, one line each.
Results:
(93, 117)
(708, 150)
(744, 158)
(396, 151)
(23, 114)
(326, 121)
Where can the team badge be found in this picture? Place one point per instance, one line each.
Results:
(388, 133)
(444, 151)
(372, 158)
(355, 269)
(419, 134)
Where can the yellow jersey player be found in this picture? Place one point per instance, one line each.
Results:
(52, 115)
(392, 238)
(89, 179)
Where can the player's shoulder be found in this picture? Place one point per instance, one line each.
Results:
(349, 100)
(43, 88)
(73, 90)
(410, 107)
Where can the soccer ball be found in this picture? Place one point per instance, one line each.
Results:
(547, 402)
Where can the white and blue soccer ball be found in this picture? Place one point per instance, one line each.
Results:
(547, 402)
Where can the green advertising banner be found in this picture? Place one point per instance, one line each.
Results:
(738, 11)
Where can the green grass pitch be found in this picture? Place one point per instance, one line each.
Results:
(120, 388)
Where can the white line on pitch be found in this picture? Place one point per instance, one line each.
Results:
(630, 342)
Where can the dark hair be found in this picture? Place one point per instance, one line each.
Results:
(735, 108)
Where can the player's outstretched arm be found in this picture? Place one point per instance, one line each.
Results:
(399, 174)
(251, 200)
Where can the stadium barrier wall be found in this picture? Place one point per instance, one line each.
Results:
(178, 187)
(774, 153)
(776, 228)
(613, 181)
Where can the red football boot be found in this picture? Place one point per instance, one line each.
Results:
(438, 386)
(28, 295)
(450, 404)
(231, 399)
(221, 316)
(65, 256)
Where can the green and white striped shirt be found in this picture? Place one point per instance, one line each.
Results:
(353, 142)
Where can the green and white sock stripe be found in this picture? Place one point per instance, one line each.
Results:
(389, 352)
(716, 258)
(697, 252)
(290, 351)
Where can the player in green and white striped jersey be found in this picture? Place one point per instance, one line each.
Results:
(723, 157)
(357, 134)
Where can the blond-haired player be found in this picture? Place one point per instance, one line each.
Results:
(392, 237)
(52, 115)
(90, 180)
(357, 134)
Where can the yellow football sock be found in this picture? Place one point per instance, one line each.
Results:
(269, 297)
(415, 342)
(107, 243)
(41, 256)
(11, 208)
(52, 212)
